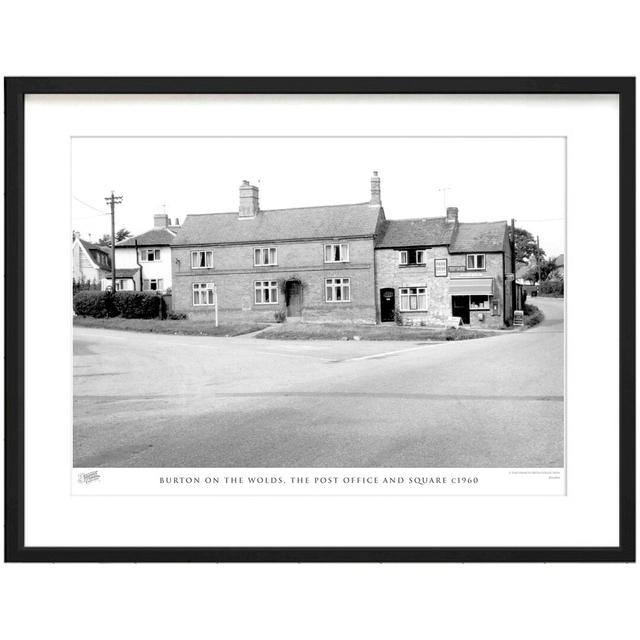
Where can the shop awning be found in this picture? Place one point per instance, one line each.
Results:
(471, 286)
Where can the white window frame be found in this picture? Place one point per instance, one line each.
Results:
(265, 286)
(200, 288)
(198, 252)
(159, 284)
(144, 255)
(262, 252)
(331, 285)
(343, 252)
(474, 261)
(403, 257)
(406, 295)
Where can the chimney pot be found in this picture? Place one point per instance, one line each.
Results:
(452, 214)
(177, 222)
(375, 190)
(249, 200)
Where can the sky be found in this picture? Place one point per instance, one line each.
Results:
(486, 178)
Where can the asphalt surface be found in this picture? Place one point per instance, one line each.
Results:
(147, 400)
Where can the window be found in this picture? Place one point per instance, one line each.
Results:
(412, 257)
(153, 284)
(336, 253)
(266, 292)
(479, 302)
(265, 256)
(201, 259)
(413, 299)
(203, 294)
(338, 289)
(475, 262)
(149, 255)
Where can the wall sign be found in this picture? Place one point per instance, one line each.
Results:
(440, 267)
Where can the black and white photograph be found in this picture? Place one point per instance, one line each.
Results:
(318, 302)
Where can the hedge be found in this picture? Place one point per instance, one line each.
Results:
(138, 304)
(128, 304)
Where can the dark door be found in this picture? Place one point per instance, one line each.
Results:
(460, 308)
(387, 305)
(294, 299)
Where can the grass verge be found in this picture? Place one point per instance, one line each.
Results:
(532, 316)
(174, 327)
(329, 331)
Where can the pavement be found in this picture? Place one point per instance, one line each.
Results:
(150, 400)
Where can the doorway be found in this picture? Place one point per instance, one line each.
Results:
(387, 305)
(293, 297)
(460, 308)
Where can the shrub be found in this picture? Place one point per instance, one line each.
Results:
(554, 288)
(177, 316)
(280, 315)
(97, 304)
(138, 304)
(128, 304)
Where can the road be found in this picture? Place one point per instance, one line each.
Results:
(148, 400)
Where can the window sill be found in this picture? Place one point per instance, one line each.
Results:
(414, 311)
(409, 266)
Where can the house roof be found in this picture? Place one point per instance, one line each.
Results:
(415, 232)
(336, 221)
(125, 273)
(153, 237)
(93, 249)
(479, 236)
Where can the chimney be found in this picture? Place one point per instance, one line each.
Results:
(375, 190)
(452, 214)
(161, 221)
(249, 201)
(177, 222)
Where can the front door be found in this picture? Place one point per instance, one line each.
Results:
(294, 299)
(387, 305)
(460, 308)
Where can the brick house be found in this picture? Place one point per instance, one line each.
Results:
(143, 262)
(309, 263)
(429, 270)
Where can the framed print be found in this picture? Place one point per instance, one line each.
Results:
(226, 341)
(440, 267)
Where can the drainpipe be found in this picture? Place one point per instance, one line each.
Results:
(139, 265)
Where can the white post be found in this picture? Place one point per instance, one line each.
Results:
(215, 293)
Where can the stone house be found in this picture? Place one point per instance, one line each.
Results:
(429, 270)
(308, 263)
(143, 262)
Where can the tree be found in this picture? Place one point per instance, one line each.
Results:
(121, 234)
(547, 267)
(526, 246)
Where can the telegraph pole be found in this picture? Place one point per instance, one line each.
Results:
(113, 200)
(538, 257)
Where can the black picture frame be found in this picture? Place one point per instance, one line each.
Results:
(15, 91)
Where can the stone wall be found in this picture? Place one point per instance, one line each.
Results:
(390, 274)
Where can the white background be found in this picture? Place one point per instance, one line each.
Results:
(404, 601)
(586, 516)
